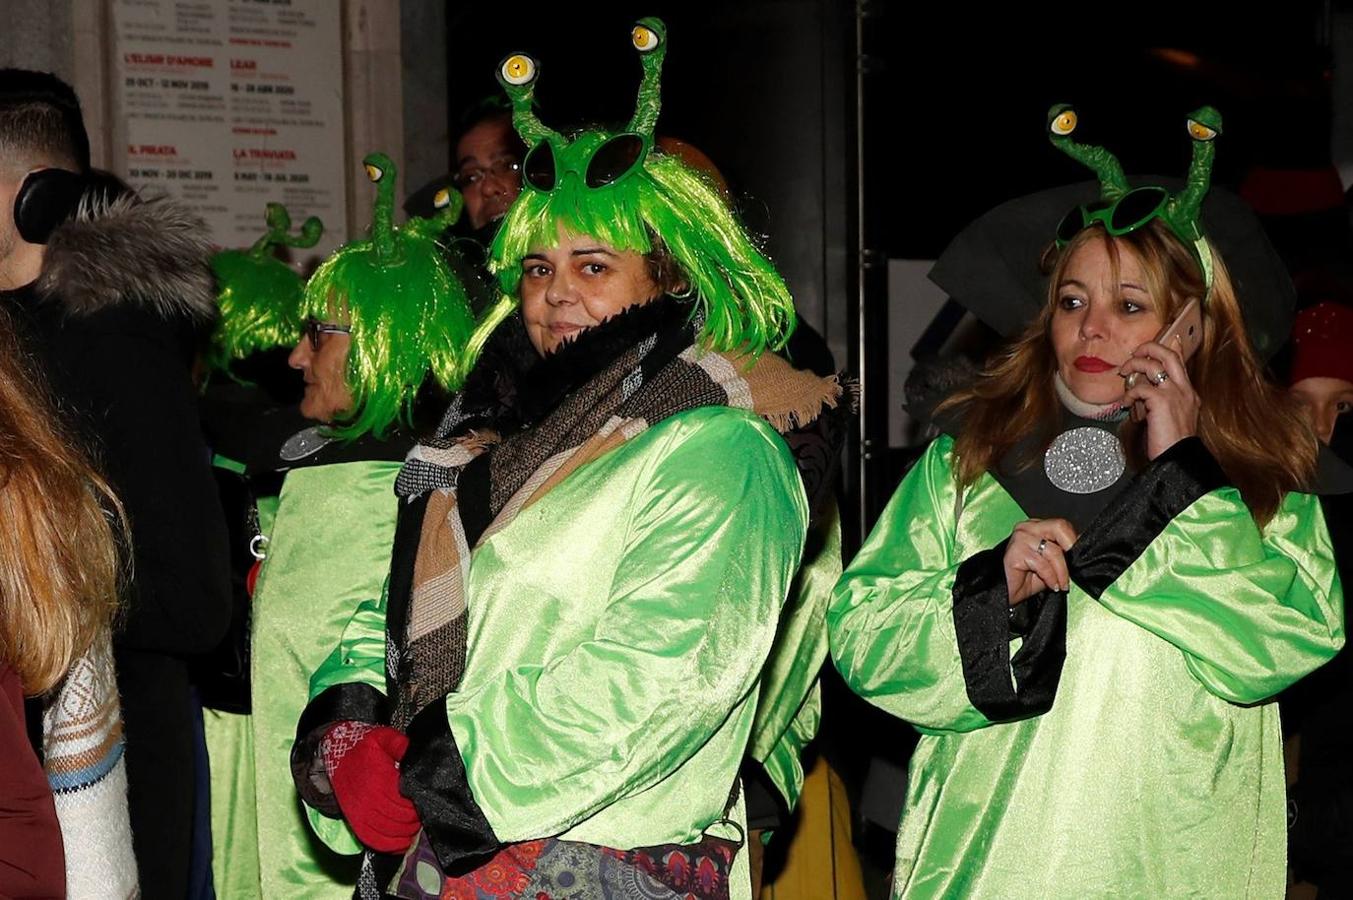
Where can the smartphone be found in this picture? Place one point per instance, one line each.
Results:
(1184, 336)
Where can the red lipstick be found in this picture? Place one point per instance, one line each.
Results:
(1092, 364)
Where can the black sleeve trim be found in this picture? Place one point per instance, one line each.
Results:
(432, 775)
(983, 626)
(984, 622)
(1137, 516)
(342, 702)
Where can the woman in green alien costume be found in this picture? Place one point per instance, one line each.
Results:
(566, 716)
(258, 299)
(1084, 615)
(258, 304)
(379, 318)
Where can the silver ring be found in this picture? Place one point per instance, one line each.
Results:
(1042, 545)
(1160, 378)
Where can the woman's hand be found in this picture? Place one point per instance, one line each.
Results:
(363, 765)
(1035, 558)
(1163, 385)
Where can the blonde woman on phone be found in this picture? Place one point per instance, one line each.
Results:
(1086, 616)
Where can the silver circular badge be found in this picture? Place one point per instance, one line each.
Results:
(303, 443)
(1084, 460)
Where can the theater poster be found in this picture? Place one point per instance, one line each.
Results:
(228, 105)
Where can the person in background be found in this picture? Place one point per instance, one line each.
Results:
(1316, 709)
(246, 387)
(58, 600)
(487, 160)
(1321, 377)
(110, 294)
(486, 169)
(363, 350)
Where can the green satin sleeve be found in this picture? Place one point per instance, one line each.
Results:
(891, 624)
(360, 655)
(672, 651)
(1251, 612)
(789, 707)
(359, 658)
(783, 762)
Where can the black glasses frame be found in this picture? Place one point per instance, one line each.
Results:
(1123, 216)
(614, 159)
(313, 328)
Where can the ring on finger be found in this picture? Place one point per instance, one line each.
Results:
(1042, 545)
(1160, 378)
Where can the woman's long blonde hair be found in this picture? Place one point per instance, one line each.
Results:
(59, 530)
(1250, 426)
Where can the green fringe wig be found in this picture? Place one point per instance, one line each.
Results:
(408, 313)
(259, 296)
(742, 300)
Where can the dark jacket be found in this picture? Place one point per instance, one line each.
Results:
(124, 288)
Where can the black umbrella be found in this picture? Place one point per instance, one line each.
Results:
(991, 267)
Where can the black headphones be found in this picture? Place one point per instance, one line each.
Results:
(46, 199)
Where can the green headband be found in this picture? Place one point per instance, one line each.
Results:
(616, 187)
(1180, 212)
(408, 312)
(258, 295)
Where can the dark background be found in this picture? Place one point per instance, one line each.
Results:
(970, 91)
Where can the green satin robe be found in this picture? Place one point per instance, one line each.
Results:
(790, 706)
(617, 632)
(230, 753)
(328, 552)
(1158, 770)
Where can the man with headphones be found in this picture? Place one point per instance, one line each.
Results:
(109, 294)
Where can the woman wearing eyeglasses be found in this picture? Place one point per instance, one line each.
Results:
(1085, 615)
(488, 158)
(555, 695)
(383, 320)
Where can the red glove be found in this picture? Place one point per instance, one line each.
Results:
(363, 765)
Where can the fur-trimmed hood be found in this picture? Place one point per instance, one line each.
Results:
(155, 253)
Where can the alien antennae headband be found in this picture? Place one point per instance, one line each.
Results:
(618, 188)
(1121, 209)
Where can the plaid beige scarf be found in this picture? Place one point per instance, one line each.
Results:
(658, 377)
